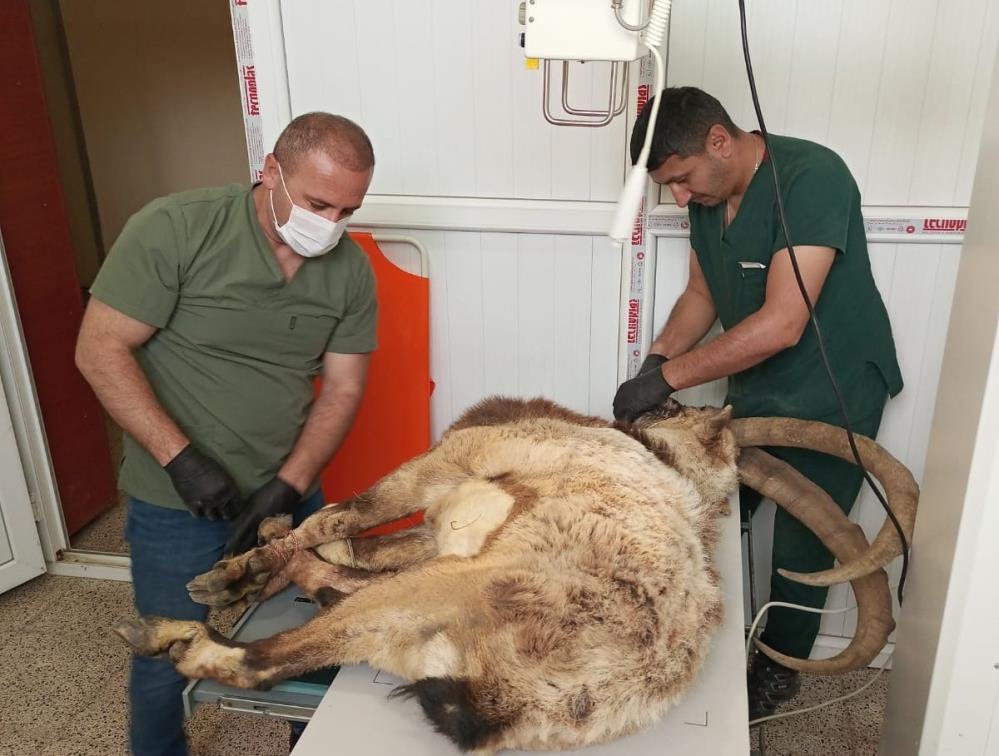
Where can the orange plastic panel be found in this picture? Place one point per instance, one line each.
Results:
(393, 422)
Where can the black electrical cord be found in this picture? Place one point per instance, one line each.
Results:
(811, 309)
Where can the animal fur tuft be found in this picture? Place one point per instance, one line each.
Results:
(449, 704)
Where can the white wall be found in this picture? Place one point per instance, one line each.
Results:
(896, 87)
(942, 698)
(443, 90)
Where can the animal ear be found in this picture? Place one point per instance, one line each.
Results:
(718, 421)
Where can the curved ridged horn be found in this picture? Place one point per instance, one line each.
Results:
(900, 487)
(814, 508)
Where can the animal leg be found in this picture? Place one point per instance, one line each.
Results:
(410, 488)
(269, 530)
(255, 584)
(325, 583)
(409, 625)
(395, 551)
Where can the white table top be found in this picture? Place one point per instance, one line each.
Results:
(356, 717)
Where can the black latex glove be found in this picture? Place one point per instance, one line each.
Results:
(652, 361)
(274, 498)
(205, 488)
(640, 394)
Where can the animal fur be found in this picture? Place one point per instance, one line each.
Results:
(560, 593)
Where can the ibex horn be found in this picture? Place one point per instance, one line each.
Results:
(816, 510)
(900, 487)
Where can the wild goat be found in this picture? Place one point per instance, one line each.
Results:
(560, 591)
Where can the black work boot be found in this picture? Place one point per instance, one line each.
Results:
(770, 684)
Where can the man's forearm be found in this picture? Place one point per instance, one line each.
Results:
(123, 389)
(691, 317)
(749, 343)
(324, 431)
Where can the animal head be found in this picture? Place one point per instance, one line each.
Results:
(697, 441)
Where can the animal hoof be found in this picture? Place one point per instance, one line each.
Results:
(134, 632)
(230, 580)
(223, 574)
(150, 636)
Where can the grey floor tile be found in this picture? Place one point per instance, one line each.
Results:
(850, 728)
(47, 681)
(20, 605)
(12, 745)
(86, 608)
(106, 533)
(212, 732)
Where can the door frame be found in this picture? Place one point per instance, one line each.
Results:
(32, 445)
(19, 530)
(16, 510)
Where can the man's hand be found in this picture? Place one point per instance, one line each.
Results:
(206, 489)
(273, 498)
(642, 393)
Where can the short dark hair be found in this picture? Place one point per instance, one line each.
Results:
(333, 135)
(686, 115)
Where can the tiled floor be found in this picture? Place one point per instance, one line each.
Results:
(63, 678)
(106, 532)
(63, 683)
(851, 728)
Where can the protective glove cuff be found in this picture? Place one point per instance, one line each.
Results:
(286, 492)
(652, 361)
(184, 464)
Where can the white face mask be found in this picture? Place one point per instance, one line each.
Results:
(309, 234)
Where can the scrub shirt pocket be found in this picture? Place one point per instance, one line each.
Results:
(751, 287)
(306, 336)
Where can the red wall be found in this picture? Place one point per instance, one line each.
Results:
(40, 256)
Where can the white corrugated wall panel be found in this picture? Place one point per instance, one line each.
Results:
(856, 87)
(494, 107)
(452, 104)
(444, 93)
(946, 103)
(896, 87)
(979, 98)
(813, 70)
(415, 95)
(887, 177)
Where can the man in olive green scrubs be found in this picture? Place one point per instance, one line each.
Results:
(741, 274)
(208, 323)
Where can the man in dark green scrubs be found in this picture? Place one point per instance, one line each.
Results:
(207, 324)
(741, 274)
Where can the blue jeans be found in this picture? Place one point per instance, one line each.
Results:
(169, 547)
